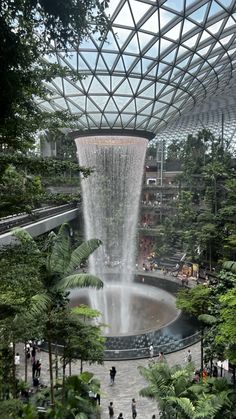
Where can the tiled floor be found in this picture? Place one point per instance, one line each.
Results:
(127, 384)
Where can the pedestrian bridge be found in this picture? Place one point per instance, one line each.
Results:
(39, 222)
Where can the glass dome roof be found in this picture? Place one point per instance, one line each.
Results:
(166, 65)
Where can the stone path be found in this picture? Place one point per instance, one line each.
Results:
(127, 384)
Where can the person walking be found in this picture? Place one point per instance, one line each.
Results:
(133, 408)
(111, 410)
(188, 357)
(151, 350)
(112, 375)
(38, 368)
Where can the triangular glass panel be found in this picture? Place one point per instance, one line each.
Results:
(199, 15)
(166, 76)
(100, 100)
(139, 9)
(140, 119)
(125, 118)
(159, 88)
(90, 106)
(144, 40)
(160, 113)
(82, 65)
(57, 82)
(115, 80)
(109, 59)
(105, 81)
(215, 8)
(146, 64)
(143, 85)
(203, 51)
(110, 106)
(205, 35)
(110, 42)
(175, 5)
(96, 87)
(111, 118)
(152, 72)
(141, 103)
(174, 33)
(151, 24)
(86, 82)
(69, 88)
(134, 84)
(137, 68)
(161, 68)
(80, 101)
(187, 26)
(124, 89)
(225, 3)
(104, 122)
(121, 101)
(90, 58)
(184, 63)
(230, 22)
(148, 109)
(158, 106)
(191, 41)
(165, 17)
(133, 45)
(170, 57)
(120, 66)
(124, 17)
(149, 92)
(153, 51)
(118, 123)
(60, 103)
(128, 60)
(164, 44)
(226, 39)
(130, 108)
(215, 28)
(100, 64)
(96, 118)
(122, 35)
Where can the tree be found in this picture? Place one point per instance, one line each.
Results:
(28, 31)
(57, 274)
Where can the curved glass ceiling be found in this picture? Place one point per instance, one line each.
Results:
(165, 64)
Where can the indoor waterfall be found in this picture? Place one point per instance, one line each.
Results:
(111, 196)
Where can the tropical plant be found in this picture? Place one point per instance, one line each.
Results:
(57, 274)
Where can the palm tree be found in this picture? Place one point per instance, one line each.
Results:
(178, 397)
(58, 273)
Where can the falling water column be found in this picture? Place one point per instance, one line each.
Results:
(111, 196)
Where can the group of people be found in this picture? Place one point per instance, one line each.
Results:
(31, 349)
(120, 416)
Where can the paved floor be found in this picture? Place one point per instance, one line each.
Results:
(127, 384)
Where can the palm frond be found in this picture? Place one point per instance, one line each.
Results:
(230, 266)
(184, 404)
(60, 251)
(82, 253)
(25, 238)
(79, 280)
(39, 304)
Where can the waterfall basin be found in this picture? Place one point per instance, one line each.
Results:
(129, 309)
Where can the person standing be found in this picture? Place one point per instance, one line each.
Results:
(133, 408)
(112, 375)
(111, 410)
(120, 416)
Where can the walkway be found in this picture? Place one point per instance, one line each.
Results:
(128, 380)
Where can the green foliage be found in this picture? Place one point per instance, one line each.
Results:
(194, 301)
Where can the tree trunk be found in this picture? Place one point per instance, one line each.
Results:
(56, 361)
(70, 368)
(202, 335)
(14, 391)
(63, 375)
(26, 365)
(50, 370)
(81, 366)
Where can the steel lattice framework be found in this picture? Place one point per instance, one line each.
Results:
(167, 67)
